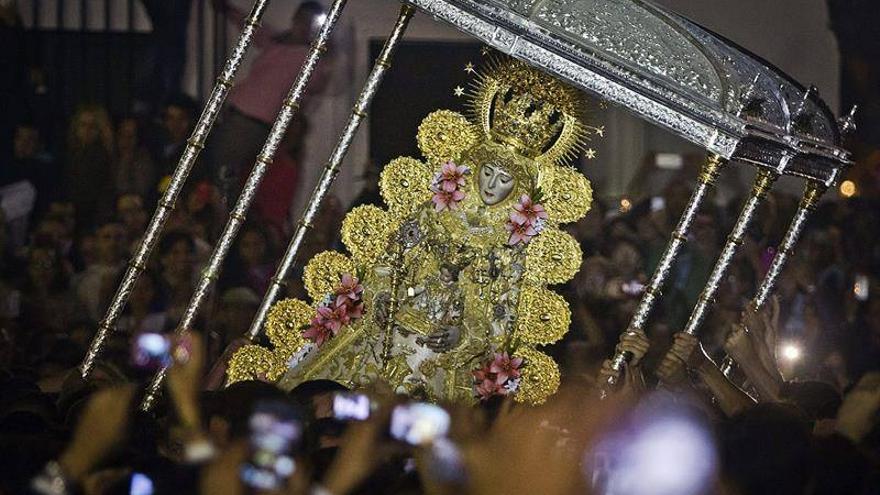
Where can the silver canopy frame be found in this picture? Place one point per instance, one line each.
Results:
(667, 70)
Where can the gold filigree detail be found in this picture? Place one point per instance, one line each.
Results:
(543, 316)
(444, 135)
(322, 274)
(253, 362)
(540, 377)
(405, 185)
(711, 169)
(285, 321)
(531, 111)
(365, 232)
(568, 195)
(553, 257)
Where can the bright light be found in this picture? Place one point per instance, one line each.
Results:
(668, 456)
(791, 351)
(625, 205)
(848, 189)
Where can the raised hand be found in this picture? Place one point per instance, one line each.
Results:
(685, 352)
(103, 426)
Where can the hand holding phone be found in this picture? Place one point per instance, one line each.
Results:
(419, 423)
(151, 351)
(276, 432)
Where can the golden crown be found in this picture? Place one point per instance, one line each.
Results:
(532, 112)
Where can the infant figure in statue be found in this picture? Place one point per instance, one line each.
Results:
(445, 294)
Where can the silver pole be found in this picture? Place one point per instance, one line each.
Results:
(239, 212)
(810, 199)
(331, 169)
(706, 182)
(763, 182)
(194, 146)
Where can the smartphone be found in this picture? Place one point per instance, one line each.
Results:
(349, 406)
(275, 436)
(419, 423)
(141, 484)
(658, 453)
(862, 287)
(151, 351)
(632, 288)
(658, 203)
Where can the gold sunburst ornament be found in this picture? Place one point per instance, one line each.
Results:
(445, 294)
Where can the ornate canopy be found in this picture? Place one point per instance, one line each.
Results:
(669, 71)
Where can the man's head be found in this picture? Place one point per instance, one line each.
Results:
(307, 21)
(130, 210)
(109, 243)
(26, 142)
(179, 117)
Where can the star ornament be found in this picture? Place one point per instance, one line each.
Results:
(458, 91)
(469, 68)
(590, 154)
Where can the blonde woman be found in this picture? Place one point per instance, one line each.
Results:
(88, 168)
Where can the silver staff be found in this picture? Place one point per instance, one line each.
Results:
(763, 182)
(331, 170)
(239, 212)
(812, 194)
(706, 181)
(194, 146)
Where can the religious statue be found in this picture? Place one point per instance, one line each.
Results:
(444, 294)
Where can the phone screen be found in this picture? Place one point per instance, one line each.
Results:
(275, 433)
(419, 423)
(141, 484)
(151, 351)
(862, 287)
(632, 288)
(351, 407)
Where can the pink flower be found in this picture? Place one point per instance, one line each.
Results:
(318, 333)
(332, 318)
(355, 311)
(349, 290)
(453, 174)
(446, 200)
(487, 389)
(482, 374)
(505, 368)
(527, 212)
(520, 233)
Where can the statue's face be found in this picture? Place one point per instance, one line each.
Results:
(496, 184)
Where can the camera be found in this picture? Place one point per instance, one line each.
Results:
(419, 423)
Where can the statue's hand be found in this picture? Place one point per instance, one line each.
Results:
(443, 340)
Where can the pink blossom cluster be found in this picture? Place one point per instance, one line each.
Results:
(344, 306)
(447, 185)
(498, 376)
(526, 221)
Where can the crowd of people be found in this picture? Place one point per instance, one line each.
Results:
(799, 413)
